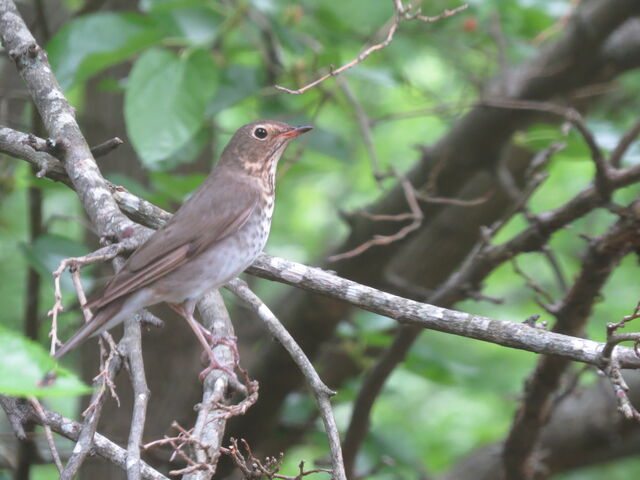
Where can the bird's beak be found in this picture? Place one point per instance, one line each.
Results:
(294, 132)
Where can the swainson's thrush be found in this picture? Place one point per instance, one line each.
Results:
(211, 239)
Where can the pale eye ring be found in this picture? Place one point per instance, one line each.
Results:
(260, 133)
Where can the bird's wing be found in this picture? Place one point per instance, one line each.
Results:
(206, 218)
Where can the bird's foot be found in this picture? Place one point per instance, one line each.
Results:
(215, 365)
(208, 340)
(218, 339)
(215, 340)
(229, 341)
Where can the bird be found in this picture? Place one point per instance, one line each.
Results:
(212, 238)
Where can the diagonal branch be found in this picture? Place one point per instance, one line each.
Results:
(321, 392)
(59, 120)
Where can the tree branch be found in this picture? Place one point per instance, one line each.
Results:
(59, 120)
(321, 392)
(572, 313)
(133, 348)
(70, 429)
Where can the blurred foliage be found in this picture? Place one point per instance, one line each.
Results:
(200, 68)
(23, 366)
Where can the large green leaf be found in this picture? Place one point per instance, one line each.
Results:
(23, 366)
(165, 102)
(91, 43)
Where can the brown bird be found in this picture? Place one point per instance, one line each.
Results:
(210, 240)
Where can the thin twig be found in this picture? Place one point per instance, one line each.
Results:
(365, 128)
(252, 467)
(47, 432)
(531, 283)
(101, 255)
(416, 216)
(400, 15)
(603, 182)
(615, 159)
(106, 147)
(86, 437)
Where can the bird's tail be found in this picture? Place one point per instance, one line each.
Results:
(100, 322)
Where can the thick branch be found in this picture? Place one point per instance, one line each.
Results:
(410, 312)
(133, 346)
(59, 120)
(212, 418)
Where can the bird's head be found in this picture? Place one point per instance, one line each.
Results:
(257, 146)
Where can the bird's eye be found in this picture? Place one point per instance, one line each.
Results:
(260, 133)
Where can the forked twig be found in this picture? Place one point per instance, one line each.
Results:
(416, 216)
(74, 264)
(401, 13)
(47, 433)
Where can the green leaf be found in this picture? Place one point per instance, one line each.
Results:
(89, 44)
(175, 188)
(196, 26)
(165, 102)
(46, 253)
(237, 83)
(24, 364)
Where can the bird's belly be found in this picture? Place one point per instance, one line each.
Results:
(215, 266)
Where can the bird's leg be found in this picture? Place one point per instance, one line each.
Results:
(186, 312)
(229, 340)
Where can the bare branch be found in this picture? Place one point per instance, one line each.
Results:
(321, 392)
(253, 467)
(17, 144)
(410, 312)
(102, 255)
(70, 429)
(416, 216)
(209, 428)
(87, 432)
(59, 119)
(572, 313)
(623, 145)
(365, 128)
(133, 347)
(572, 116)
(47, 431)
(106, 147)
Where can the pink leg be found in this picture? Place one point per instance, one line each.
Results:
(187, 314)
(229, 341)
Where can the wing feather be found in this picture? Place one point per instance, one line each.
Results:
(205, 219)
